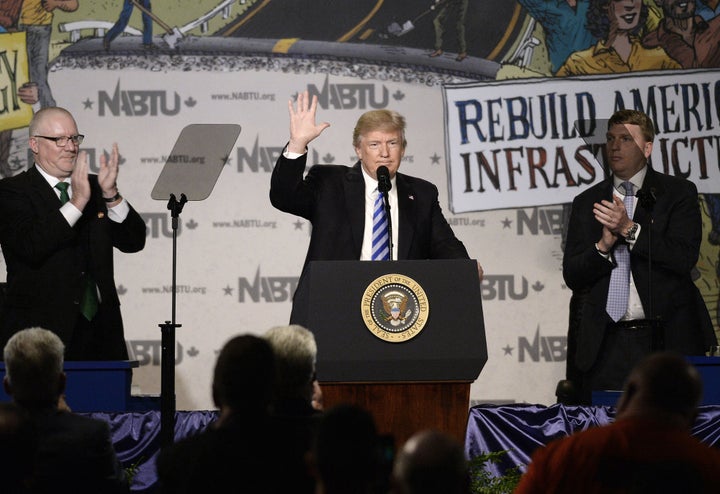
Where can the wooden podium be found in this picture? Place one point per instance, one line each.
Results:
(411, 380)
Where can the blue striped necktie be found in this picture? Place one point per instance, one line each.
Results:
(380, 250)
(619, 291)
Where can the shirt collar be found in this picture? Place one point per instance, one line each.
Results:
(637, 180)
(53, 181)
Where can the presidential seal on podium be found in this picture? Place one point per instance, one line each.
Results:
(395, 308)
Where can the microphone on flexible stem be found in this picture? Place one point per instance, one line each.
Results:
(384, 186)
(647, 199)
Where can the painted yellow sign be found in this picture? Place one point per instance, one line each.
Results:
(14, 114)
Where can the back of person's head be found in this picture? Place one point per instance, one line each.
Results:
(431, 462)
(244, 375)
(347, 452)
(34, 374)
(379, 120)
(295, 356)
(663, 384)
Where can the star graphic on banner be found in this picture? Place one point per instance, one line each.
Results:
(435, 159)
(507, 349)
(507, 222)
(87, 104)
(298, 225)
(228, 290)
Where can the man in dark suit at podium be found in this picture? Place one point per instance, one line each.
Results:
(339, 200)
(58, 227)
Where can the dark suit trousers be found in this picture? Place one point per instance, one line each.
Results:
(92, 341)
(622, 348)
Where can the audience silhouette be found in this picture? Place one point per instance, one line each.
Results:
(293, 413)
(71, 453)
(348, 454)
(431, 462)
(244, 450)
(649, 447)
(17, 449)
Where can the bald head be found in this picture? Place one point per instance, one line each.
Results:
(45, 115)
(664, 385)
(56, 157)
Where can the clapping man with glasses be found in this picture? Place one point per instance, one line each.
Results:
(58, 227)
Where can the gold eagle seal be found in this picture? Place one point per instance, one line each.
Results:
(394, 308)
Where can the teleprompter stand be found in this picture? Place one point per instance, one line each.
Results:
(190, 173)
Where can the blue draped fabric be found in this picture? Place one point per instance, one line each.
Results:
(517, 429)
(520, 429)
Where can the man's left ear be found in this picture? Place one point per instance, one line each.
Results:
(6, 386)
(62, 382)
(648, 149)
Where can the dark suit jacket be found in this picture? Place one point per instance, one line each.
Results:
(664, 254)
(75, 454)
(46, 258)
(248, 454)
(332, 198)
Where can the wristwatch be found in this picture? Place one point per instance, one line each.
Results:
(630, 232)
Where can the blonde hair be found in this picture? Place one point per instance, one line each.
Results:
(385, 120)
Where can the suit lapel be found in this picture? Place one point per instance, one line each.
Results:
(42, 188)
(354, 185)
(406, 216)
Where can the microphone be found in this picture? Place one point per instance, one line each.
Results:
(383, 177)
(647, 198)
(384, 186)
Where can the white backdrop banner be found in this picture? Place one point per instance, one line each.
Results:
(238, 259)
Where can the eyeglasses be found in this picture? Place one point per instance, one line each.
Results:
(62, 141)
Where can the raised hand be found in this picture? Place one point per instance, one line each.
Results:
(303, 128)
(107, 176)
(79, 182)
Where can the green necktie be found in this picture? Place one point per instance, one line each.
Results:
(63, 187)
(89, 301)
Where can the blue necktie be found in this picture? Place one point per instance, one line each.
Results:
(380, 251)
(619, 291)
